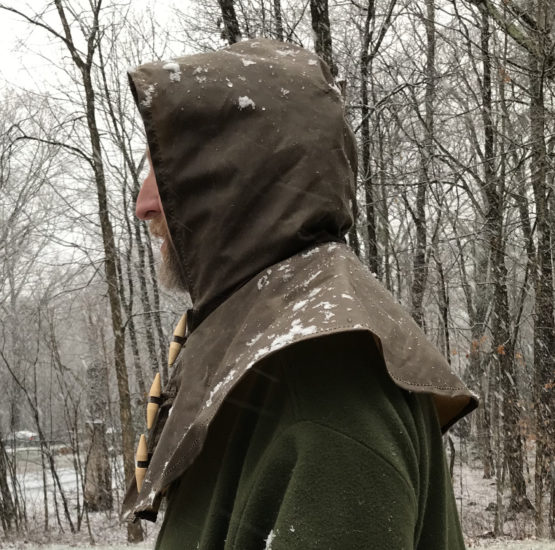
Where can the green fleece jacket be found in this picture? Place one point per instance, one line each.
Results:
(318, 449)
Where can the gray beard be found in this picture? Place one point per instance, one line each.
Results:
(169, 272)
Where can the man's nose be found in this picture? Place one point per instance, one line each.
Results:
(148, 200)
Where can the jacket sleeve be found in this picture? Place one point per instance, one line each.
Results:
(317, 488)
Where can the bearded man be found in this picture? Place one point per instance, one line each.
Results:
(306, 408)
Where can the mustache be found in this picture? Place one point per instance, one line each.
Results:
(157, 228)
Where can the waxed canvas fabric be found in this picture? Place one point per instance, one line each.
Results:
(253, 159)
(255, 166)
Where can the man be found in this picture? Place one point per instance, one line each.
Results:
(306, 408)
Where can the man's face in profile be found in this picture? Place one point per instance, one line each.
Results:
(149, 208)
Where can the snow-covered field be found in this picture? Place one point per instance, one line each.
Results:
(475, 497)
(70, 547)
(518, 545)
(497, 545)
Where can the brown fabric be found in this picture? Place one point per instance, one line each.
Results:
(253, 196)
(253, 158)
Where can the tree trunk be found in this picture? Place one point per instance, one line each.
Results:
(503, 344)
(98, 473)
(544, 329)
(279, 20)
(320, 18)
(7, 508)
(231, 31)
(420, 264)
(366, 169)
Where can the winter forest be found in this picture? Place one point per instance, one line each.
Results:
(453, 106)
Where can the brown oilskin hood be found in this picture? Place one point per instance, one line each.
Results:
(253, 158)
(255, 166)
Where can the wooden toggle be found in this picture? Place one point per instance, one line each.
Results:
(141, 462)
(178, 339)
(154, 401)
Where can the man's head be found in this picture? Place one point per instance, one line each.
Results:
(149, 208)
(254, 161)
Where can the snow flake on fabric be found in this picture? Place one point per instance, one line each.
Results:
(309, 253)
(264, 280)
(312, 277)
(255, 339)
(285, 271)
(300, 305)
(247, 62)
(228, 379)
(314, 292)
(295, 331)
(335, 88)
(270, 540)
(149, 94)
(324, 305)
(287, 53)
(245, 102)
(174, 69)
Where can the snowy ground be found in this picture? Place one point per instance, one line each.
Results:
(518, 545)
(474, 497)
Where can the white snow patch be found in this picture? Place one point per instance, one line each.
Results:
(292, 529)
(229, 378)
(199, 70)
(247, 62)
(314, 292)
(284, 92)
(270, 540)
(283, 339)
(324, 305)
(348, 296)
(285, 53)
(260, 353)
(245, 101)
(255, 339)
(149, 94)
(299, 305)
(175, 71)
(263, 281)
(296, 330)
(312, 277)
(312, 62)
(335, 88)
(309, 253)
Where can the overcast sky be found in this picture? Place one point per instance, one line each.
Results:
(25, 52)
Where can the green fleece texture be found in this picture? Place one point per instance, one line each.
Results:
(318, 449)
